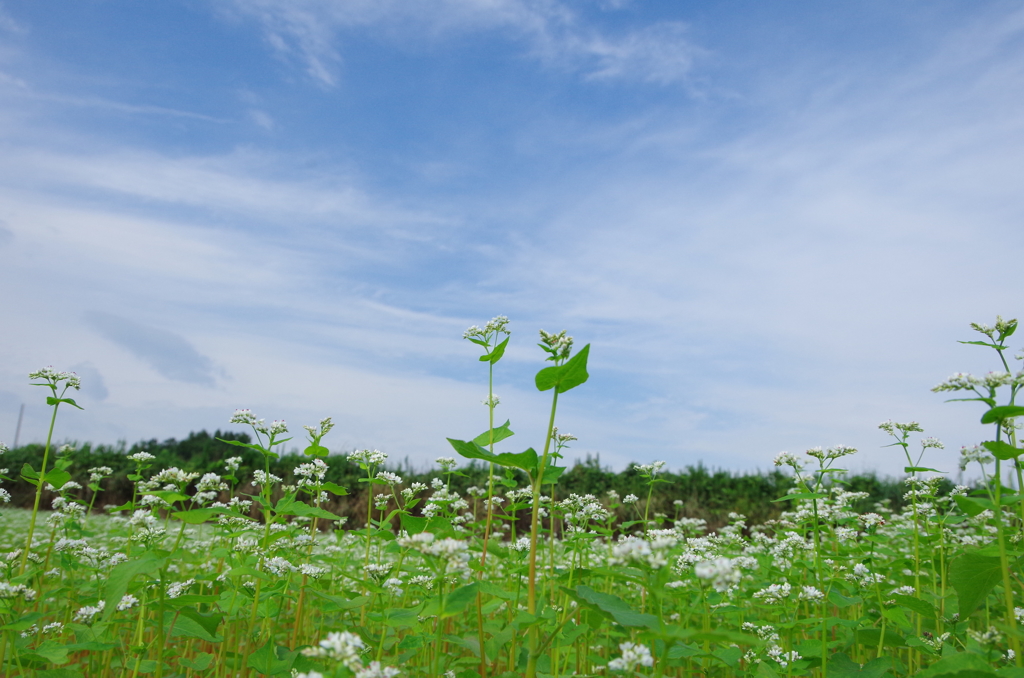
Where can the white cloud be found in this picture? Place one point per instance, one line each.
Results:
(310, 30)
(8, 24)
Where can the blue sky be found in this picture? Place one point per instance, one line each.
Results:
(772, 221)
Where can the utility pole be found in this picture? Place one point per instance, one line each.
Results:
(17, 431)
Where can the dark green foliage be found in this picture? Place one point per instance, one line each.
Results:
(704, 493)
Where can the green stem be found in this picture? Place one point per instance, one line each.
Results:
(531, 596)
(39, 490)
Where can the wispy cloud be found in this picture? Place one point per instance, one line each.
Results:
(167, 352)
(8, 24)
(313, 32)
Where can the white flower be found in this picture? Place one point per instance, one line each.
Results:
(775, 593)
(376, 670)
(632, 655)
(340, 646)
(389, 478)
(812, 594)
(54, 377)
(5, 496)
(243, 417)
(630, 498)
(520, 545)
(368, 457)
(650, 469)
(446, 463)
(277, 565)
(891, 427)
(178, 588)
(140, 457)
(263, 478)
(312, 570)
(722, 573)
(232, 463)
(86, 614)
(128, 601)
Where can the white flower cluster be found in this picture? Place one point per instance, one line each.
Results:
(15, 590)
(558, 345)
(390, 478)
(721, 572)
(652, 552)
(87, 613)
(651, 470)
(128, 601)
(311, 473)
(368, 457)
(325, 426)
(208, 488)
(246, 417)
(454, 551)
(53, 377)
(343, 647)
(774, 594)
(262, 478)
(494, 325)
(99, 473)
(633, 655)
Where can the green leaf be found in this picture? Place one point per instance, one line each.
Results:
(401, 618)
(458, 600)
(60, 673)
(289, 507)
(551, 474)
(616, 607)
(56, 477)
(188, 627)
(575, 372)
(1001, 413)
(122, 575)
(500, 433)
(917, 605)
(841, 666)
(52, 652)
(870, 637)
(316, 451)
(270, 660)
(496, 353)
(199, 515)
(209, 622)
(261, 450)
(567, 376)
(169, 497)
(336, 490)
(526, 461)
(981, 343)
(50, 400)
(959, 665)
(201, 662)
(1001, 450)
(969, 505)
(921, 469)
(973, 576)
(24, 622)
(802, 495)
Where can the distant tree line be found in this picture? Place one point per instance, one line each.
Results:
(694, 492)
